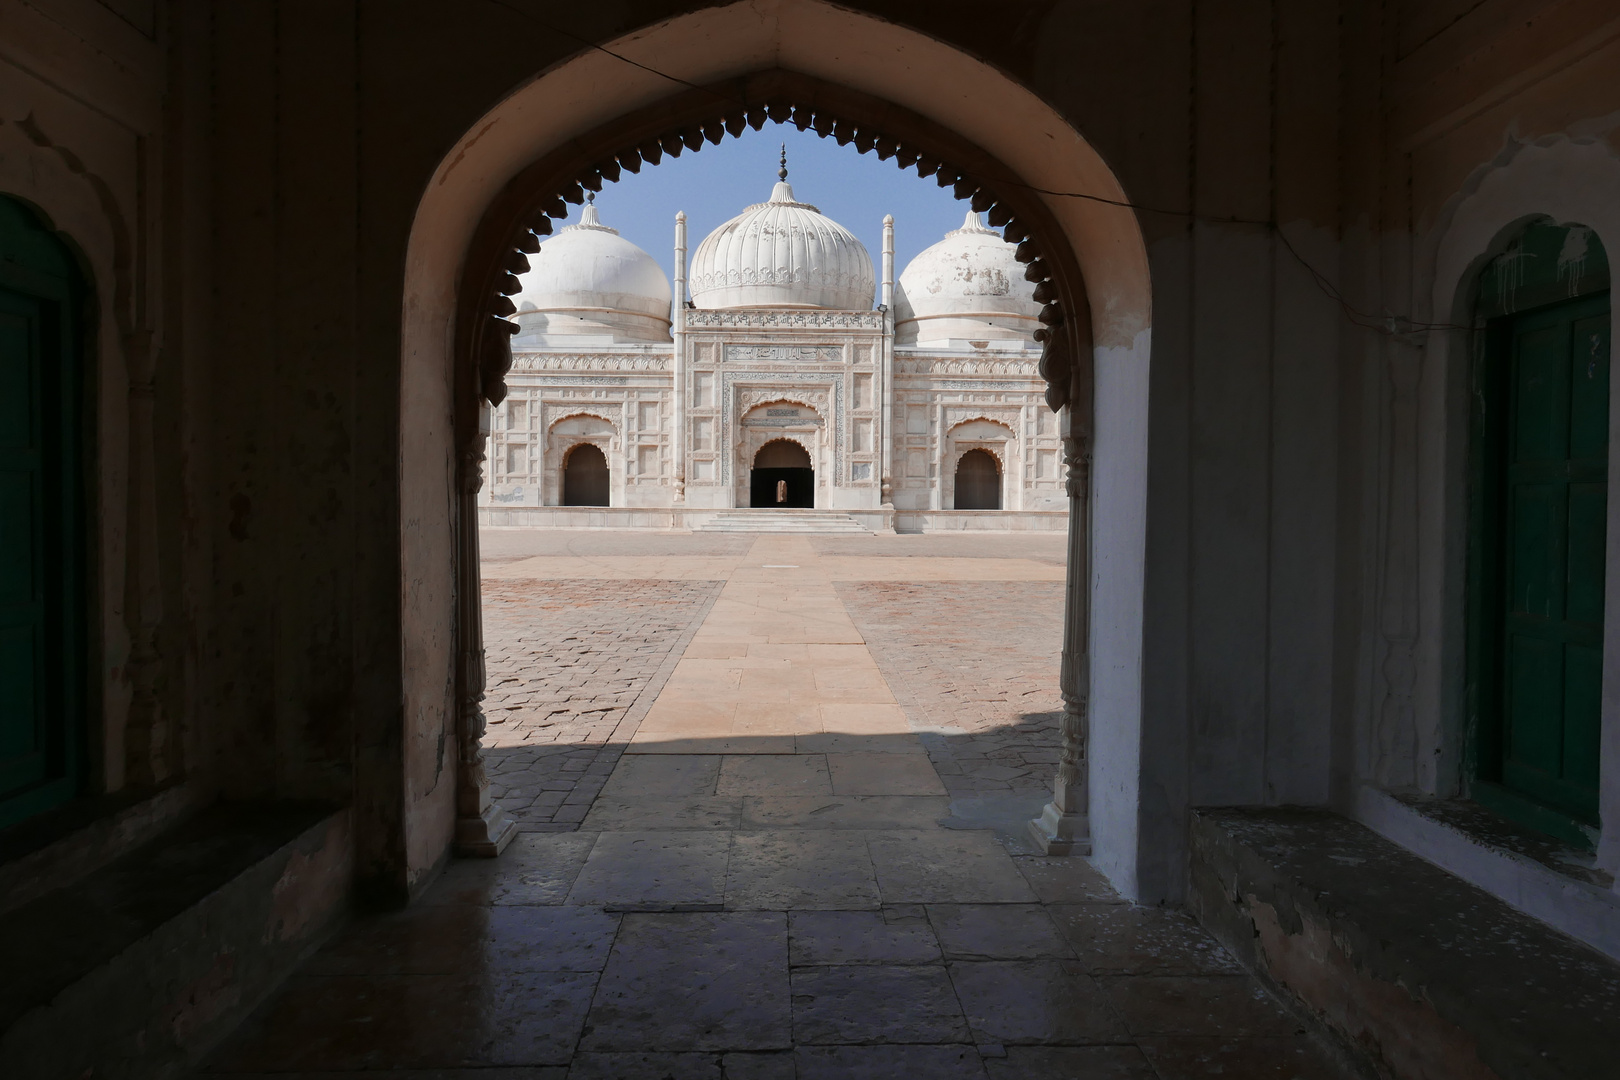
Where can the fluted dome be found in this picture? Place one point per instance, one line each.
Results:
(967, 287)
(782, 253)
(588, 281)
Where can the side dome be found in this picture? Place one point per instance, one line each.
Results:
(967, 287)
(782, 253)
(587, 281)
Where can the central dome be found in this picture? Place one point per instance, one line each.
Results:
(782, 253)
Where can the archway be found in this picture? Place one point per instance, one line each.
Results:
(782, 478)
(978, 481)
(884, 88)
(585, 477)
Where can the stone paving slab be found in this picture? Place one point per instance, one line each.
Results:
(975, 666)
(792, 856)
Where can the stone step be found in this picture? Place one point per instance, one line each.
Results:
(782, 521)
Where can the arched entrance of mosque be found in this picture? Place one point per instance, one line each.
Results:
(978, 481)
(835, 71)
(782, 477)
(585, 477)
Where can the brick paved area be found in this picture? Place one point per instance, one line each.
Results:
(975, 665)
(567, 663)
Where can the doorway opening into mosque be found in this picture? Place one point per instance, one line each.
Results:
(585, 477)
(782, 477)
(978, 481)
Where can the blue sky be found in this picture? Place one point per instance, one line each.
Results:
(714, 184)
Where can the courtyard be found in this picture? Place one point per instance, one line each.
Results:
(772, 793)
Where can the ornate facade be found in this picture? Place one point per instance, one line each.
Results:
(779, 341)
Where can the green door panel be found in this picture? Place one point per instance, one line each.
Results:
(1553, 547)
(41, 515)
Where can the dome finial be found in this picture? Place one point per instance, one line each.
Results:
(590, 197)
(781, 173)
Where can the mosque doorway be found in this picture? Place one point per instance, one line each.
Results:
(978, 481)
(782, 477)
(585, 477)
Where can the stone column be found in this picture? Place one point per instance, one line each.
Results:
(482, 828)
(1064, 827)
(885, 392)
(677, 364)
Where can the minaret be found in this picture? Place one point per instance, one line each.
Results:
(886, 375)
(678, 362)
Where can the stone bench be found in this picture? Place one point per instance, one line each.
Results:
(1423, 974)
(137, 968)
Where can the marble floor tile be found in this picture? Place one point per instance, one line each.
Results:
(1076, 1063)
(863, 718)
(843, 811)
(833, 742)
(894, 935)
(1122, 939)
(947, 1062)
(800, 869)
(1289, 1057)
(945, 867)
(536, 868)
(630, 869)
(875, 1004)
(676, 743)
(774, 774)
(1066, 879)
(1033, 1001)
(664, 776)
(695, 812)
(996, 932)
(1224, 1005)
(343, 1023)
(452, 939)
(883, 774)
(694, 981)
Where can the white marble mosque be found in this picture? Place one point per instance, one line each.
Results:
(775, 382)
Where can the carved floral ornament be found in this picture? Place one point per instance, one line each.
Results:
(946, 366)
(556, 414)
(792, 320)
(707, 115)
(749, 400)
(955, 418)
(588, 362)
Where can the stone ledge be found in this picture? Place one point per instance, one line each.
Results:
(1420, 972)
(139, 967)
(1538, 875)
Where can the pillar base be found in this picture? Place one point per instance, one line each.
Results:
(485, 836)
(1057, 833)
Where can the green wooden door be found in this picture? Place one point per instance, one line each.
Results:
(41, 618)
(1554, 503)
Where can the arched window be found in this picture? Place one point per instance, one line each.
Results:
(978, 481)
(782, 477)
(42, 618)
(585, 477)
